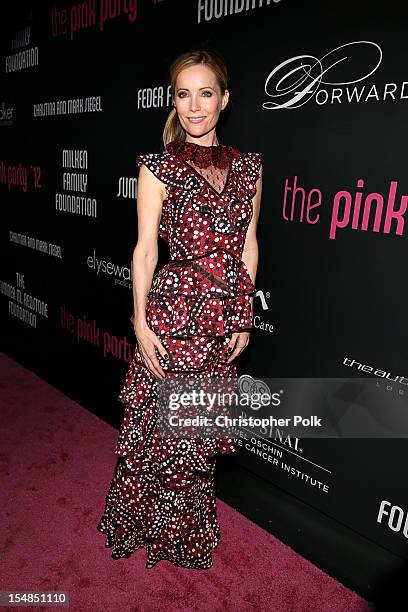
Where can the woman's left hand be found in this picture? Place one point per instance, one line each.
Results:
(238, 342)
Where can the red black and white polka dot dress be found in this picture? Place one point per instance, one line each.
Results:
(162, 493)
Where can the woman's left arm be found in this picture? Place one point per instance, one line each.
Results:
(250, 251)
(239, 340)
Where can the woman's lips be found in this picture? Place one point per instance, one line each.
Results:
(196, 119)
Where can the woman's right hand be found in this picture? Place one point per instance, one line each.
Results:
(147, 342)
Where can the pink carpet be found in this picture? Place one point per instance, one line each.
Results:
(57, 459)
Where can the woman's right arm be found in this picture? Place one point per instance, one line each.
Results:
(150, 195)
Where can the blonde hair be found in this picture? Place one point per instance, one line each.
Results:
(173, 129)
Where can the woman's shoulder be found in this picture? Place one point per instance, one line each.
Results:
(158, 163)
(148, 158)
(251, 157)
(252, 164)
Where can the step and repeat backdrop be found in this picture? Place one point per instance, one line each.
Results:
(321, 91)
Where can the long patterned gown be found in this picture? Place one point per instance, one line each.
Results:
(162, 493)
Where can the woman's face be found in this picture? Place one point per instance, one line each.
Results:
(198, 100)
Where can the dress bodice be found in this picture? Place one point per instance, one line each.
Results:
(205, 287)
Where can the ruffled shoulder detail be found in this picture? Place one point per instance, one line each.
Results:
(161, 165)
(251, 166)
(150, 159)
(252, 163)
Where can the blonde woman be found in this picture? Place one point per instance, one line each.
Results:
(192, 318)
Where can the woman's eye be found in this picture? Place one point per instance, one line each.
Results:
(183, 94)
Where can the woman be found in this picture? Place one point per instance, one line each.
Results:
(190, 319)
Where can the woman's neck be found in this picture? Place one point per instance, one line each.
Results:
(201, 144)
